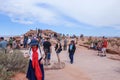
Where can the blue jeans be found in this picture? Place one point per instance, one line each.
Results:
(48, 56)
(71, 56)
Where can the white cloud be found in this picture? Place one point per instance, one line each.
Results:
(22, 10)
(92, 12)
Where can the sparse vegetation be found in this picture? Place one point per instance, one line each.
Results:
(113, 43)
(11, 64)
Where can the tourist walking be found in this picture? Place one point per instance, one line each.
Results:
(71, 51)
(47, 49)
(35, 67)
(58, 49)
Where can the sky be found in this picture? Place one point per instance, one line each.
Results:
(88, 17)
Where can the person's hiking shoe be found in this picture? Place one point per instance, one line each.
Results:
(49, 64)
(71, 62)
(104, 55)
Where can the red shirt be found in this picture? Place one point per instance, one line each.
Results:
(105, 43)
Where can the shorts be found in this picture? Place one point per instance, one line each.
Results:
(48, 56)
(103, 49)
(99, 49)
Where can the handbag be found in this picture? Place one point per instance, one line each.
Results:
(59, 50)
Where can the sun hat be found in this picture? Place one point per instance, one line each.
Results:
(34, 42)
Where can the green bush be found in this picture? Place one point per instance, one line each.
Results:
(87, 43)
(11, 63)
(5, 75)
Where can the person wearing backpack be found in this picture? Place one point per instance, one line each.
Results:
(71, 51)
(35, 68)
(58, 49)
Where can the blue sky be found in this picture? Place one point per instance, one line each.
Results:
(88, 17)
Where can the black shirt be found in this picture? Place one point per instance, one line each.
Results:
(47, 45)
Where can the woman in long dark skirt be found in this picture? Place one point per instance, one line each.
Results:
(35, 67)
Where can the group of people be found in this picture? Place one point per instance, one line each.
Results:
(37, 59)
(101, 46)
(9, 43)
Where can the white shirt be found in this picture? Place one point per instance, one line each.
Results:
(39, 54)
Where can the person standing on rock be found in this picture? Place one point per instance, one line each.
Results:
(35, 67)
(71, 51)
(58, 49)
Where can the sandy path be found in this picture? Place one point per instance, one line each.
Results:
(98, 68)
(87, 66)
(69, 73)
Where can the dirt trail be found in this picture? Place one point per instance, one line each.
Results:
(87, 66)
(98, 68)
(69, 73)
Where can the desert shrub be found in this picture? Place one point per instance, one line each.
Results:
(90, 40)
(12, 63)
(113, 43)
(5, 75)
(87, 43)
